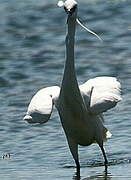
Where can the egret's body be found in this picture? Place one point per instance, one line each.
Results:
(80, 107)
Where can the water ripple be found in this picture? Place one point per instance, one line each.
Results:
(32, 56)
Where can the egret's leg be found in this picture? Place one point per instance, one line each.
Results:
(105, 158)
(74, 151)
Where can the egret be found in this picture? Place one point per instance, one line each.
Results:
(80, 107)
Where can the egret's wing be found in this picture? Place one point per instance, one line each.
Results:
(41, 105)
(101, 93)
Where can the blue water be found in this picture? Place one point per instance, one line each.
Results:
(32, 49)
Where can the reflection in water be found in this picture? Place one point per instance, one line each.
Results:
(101, 176)
(105, 175)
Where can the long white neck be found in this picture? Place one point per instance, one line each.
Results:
(69, 78)
(70, 97)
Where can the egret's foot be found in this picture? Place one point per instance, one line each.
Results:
(78, 171)
(77, 174)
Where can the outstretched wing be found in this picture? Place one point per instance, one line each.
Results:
(41, 105)
(101, 94)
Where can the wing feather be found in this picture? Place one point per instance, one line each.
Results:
(101, 93)
(41, 105)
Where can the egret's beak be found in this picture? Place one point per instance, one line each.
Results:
(69, 13)
(68, 18)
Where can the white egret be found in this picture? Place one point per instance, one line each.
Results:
(80, 107)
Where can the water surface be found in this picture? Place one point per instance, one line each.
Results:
(32, 49)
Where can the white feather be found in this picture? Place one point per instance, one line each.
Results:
(40, 107)
(106, 92)
(60, 3)
(70, 4)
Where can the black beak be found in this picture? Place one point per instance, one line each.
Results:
(68, 18)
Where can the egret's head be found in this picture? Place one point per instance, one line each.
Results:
(70, 6)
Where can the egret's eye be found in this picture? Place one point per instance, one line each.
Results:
(70, 11)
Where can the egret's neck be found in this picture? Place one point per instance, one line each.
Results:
(70, 41)
(69, 77)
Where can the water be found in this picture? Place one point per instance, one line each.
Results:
(32, 57)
